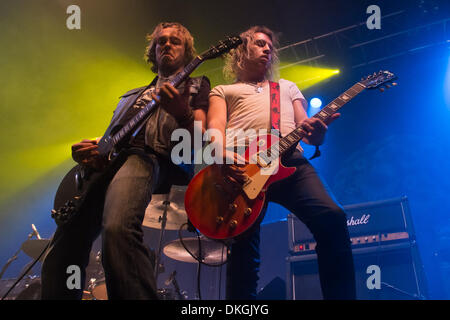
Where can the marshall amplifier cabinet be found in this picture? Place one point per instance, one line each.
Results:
(371, 223)
(386, 258)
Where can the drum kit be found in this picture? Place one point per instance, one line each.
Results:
(165, 212)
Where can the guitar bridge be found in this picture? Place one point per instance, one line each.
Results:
(247, 182)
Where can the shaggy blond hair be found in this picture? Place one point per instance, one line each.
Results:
(150, 55)
(235, 59)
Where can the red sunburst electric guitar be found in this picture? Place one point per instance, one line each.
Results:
(220, 212)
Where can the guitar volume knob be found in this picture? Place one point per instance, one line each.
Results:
(232, 207)
(247, 212)
(219, 220)
(233, 224)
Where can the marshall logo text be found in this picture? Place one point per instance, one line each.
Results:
(354, 222)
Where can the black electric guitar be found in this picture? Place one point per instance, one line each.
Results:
(80, 182)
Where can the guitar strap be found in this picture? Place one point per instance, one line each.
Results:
(275, 112)
(275, 105)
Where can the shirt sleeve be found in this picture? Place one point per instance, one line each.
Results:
(296, 94)
(218, 91)
(201, 101)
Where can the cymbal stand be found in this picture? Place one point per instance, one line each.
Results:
(173, 280)
(29, 267)
(14, 257)
(163, 219)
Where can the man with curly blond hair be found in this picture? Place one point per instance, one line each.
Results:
(245, 105)
(117, 211)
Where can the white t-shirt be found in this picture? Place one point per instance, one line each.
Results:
(249, 109)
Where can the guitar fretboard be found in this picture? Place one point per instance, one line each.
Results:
(141, 115)
(298, 134)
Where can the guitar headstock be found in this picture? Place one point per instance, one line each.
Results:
(222, 47)
(380, 80)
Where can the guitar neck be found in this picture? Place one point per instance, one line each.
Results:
(298, 134)
(126, 130)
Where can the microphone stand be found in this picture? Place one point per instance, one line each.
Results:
(412, 295)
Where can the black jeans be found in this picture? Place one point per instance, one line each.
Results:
(128, 268)
(304, 194)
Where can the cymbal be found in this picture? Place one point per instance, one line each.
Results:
(33, 248)
(176, 215)
(213, 252)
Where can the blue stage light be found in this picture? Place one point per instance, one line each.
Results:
(315, 103)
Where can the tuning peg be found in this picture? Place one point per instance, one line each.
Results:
(387, 86)
(394, 83)
(381, 89)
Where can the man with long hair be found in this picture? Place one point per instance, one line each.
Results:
(117, 211)
(245, 104)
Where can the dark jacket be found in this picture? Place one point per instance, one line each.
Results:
(160, 126)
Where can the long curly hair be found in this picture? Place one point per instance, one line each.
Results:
(150, 55)
(235, 58)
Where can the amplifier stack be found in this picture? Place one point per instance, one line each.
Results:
(383, 242)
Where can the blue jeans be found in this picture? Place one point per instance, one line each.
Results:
(305, 195)
(118, 215)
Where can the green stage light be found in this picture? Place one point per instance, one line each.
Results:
(57, 86)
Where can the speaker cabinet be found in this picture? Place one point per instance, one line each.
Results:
(400, 274)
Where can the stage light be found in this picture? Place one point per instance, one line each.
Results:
(27, 166)
(315, 103)
(66, 93)
(305, 76)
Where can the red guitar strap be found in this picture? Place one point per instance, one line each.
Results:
(275, 112)
(275, 105)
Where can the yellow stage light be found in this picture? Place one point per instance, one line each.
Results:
(59, 86)
(305, 76)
